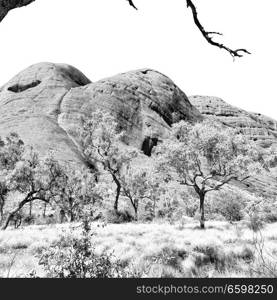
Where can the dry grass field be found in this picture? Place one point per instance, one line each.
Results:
(153, 249)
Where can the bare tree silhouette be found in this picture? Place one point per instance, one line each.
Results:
(208, 35)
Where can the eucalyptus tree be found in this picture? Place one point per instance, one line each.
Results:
(206, 157)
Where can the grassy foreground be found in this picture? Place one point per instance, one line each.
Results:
(154, 249)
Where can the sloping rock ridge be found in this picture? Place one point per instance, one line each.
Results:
(261, 129)
(257, 127)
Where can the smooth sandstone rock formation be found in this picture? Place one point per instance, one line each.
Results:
(7, 5)
(44, 104)
(145, 103)
(30, 105)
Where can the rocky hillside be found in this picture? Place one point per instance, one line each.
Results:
(259, 128)
(45, 104)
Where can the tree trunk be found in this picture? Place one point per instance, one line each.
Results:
(27, 200)
(30, 209)
(10, 217)
(71, 209)
(2, 204)
(72, 218)
(62, 215)
(136, 213)
(118, 190)
(135, 204)
(1, 212)
(44, 210)
(202, 211)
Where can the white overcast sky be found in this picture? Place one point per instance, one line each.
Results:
(106, 37)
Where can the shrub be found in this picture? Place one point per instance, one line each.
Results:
(28, 220)
(270, 217)
(266, 208)
(246, 254)
(77, 258)
(113, 217)
(232, 210)
(211, 253)
(269, 211)
(47, 220)
(255, 222)
(230, 206)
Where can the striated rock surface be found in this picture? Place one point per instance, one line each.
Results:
(259, 128)
(145, 103)
(7, 5)
(45, 103)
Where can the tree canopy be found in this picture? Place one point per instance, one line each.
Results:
(206, 156)
(101, 142)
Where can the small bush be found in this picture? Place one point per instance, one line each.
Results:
(256, 222)
(243, 252)
(170, 256)
(191, 206)
(232, 211)
(47, 220)
(38, 247)
(247, 254)
(77, 258)
(29, 220)
(270, 212)
(212, 253)
(270, 217)
(230, 206)
(113, 217)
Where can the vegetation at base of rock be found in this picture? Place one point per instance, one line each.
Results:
(77, 258)
(194, 160)
(206, 157)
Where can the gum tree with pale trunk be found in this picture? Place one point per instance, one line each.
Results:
(206, 157)
(102, 146)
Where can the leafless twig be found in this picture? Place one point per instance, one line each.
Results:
(11, 264)
(132, 4)
(208, 35)
(267, 267)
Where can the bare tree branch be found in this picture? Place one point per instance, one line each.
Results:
(208, 35)
(132, 4)
(7, 5)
